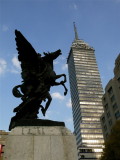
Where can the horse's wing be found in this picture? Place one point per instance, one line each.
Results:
(26, 53)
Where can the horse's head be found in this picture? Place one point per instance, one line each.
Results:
(58, 52)
(52, 55)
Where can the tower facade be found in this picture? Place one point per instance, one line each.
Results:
(86, 94)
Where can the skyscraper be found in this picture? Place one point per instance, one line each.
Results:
(86, 94)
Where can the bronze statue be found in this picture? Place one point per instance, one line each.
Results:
(38, 76)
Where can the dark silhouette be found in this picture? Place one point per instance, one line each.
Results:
(38, 76)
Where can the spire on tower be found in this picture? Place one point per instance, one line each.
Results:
(75, 30)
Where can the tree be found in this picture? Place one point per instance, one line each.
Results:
(112, 144)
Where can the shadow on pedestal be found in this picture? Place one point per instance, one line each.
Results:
(35, 122)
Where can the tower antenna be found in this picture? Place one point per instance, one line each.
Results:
(75, 30)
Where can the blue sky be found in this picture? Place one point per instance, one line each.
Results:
(48, 26)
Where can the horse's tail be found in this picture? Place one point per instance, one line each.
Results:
(16, 92)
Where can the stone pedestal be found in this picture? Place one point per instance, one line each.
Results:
(40, 143)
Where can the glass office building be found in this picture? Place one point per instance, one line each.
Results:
(86, 94)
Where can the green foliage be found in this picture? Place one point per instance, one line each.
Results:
(112, 145)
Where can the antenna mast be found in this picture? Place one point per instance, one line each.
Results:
(75, 30)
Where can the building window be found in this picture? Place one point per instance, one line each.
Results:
(106, 106)
(103, 119)
(82, 156)
(106, 135)
(85, 150)
(104, 99)
(110, 90)
(117, 114)
(108, 114)
(111, 130)
(115, 106)
(105, 127)
(118, 79)
(110, 122)
(112, 98)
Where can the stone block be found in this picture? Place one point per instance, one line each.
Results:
(17, 148)
(52, 130)
(56, 149)
(42, 148)
(40, 143)
(16, 131)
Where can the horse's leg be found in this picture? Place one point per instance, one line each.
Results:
(61, 83)
(61, 75)
(48, 96)
(66, 90)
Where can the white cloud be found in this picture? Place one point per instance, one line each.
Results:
(5, 28)
(64, 67)
(69, 120)
(15, 62)
(13, 70)
(55, 62)
(75, 6)
(3, 66)
(69, 104)
(57, 95)
(16, 65)
(69, 123)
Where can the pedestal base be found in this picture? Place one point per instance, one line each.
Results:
(40, 143)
